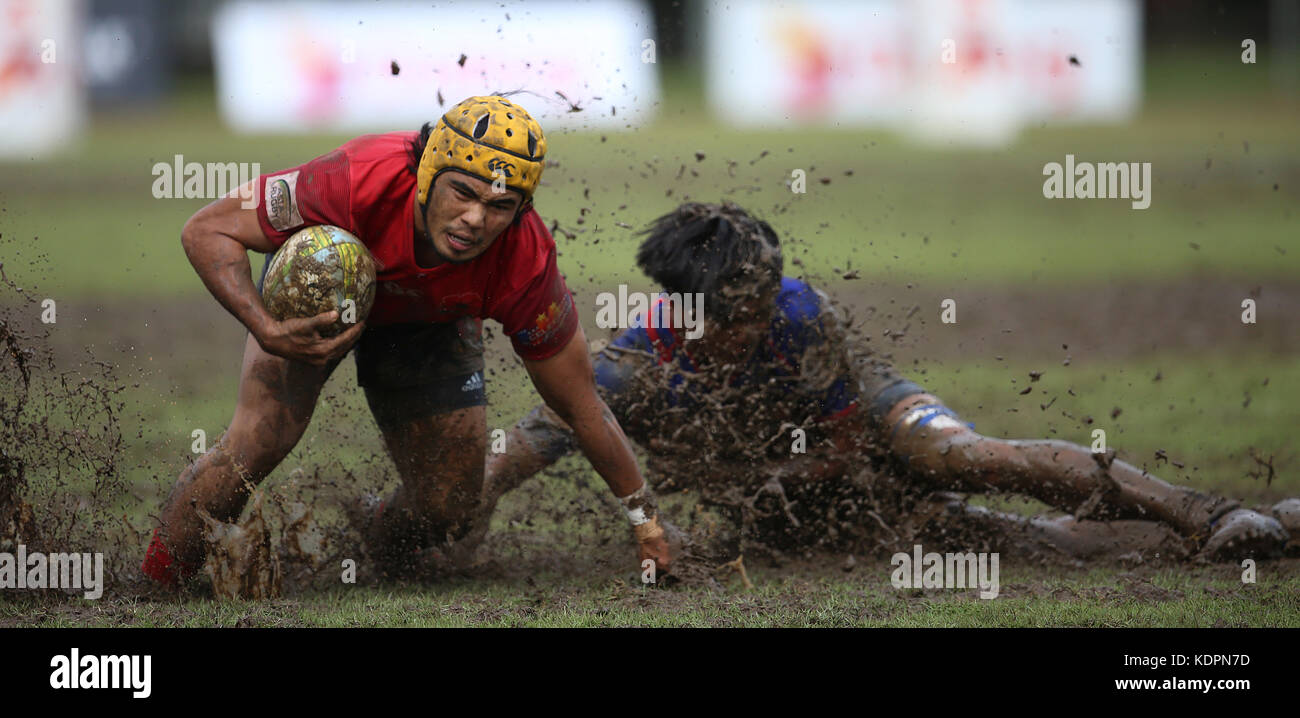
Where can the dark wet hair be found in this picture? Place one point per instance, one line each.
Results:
(719, 251)
(415, 150)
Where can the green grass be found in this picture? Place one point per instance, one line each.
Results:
(906, 212)
(1029, 597)
(1197, 412)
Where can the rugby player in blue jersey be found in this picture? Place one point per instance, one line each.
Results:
(724, 414)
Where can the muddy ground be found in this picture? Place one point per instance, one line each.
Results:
(1106, 321)
(177, 347)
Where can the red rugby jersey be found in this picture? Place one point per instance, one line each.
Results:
(365, 187)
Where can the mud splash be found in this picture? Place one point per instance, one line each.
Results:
(62, 486)
(729, 450)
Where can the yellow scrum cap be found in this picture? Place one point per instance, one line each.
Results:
(488, 137)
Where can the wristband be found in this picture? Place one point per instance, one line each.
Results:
(639, 506)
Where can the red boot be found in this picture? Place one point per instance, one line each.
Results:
(162, 567)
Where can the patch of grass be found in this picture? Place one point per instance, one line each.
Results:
(1030, 596)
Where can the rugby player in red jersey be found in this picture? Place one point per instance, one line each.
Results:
(447, 214)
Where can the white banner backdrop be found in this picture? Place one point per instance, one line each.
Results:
(943, 70)
(289, 67)
(42, 103)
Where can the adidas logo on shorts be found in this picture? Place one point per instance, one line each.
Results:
(474, 383)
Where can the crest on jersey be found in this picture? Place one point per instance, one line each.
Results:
(547, 324)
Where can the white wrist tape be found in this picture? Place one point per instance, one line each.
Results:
(639, 506)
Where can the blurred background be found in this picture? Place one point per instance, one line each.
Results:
(751, 62)
(922, 129)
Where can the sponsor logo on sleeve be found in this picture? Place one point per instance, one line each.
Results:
(282, 201)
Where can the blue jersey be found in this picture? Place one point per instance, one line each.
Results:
(798, 324)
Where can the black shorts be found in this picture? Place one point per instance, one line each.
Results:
(410, 371)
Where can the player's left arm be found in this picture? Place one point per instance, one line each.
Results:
(565, 383)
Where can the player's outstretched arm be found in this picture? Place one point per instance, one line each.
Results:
(567, 386)
(216, 240)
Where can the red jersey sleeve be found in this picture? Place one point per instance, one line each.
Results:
(318, 192)
(540, 316)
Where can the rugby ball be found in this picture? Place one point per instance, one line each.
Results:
(319, 269)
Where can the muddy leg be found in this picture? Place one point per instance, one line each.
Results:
(440, 461)
(1085, 540)
(1062, 474)
(276, 400)
(1109, 539)
(539, 439)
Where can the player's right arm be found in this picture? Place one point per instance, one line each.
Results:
(216, 241)
(541, 438)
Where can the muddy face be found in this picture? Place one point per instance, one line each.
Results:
(734, 340)
(465, 216)
(725, 433)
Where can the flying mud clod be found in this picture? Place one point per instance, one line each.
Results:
(240, 561)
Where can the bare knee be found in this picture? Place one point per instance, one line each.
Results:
(442, 472)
